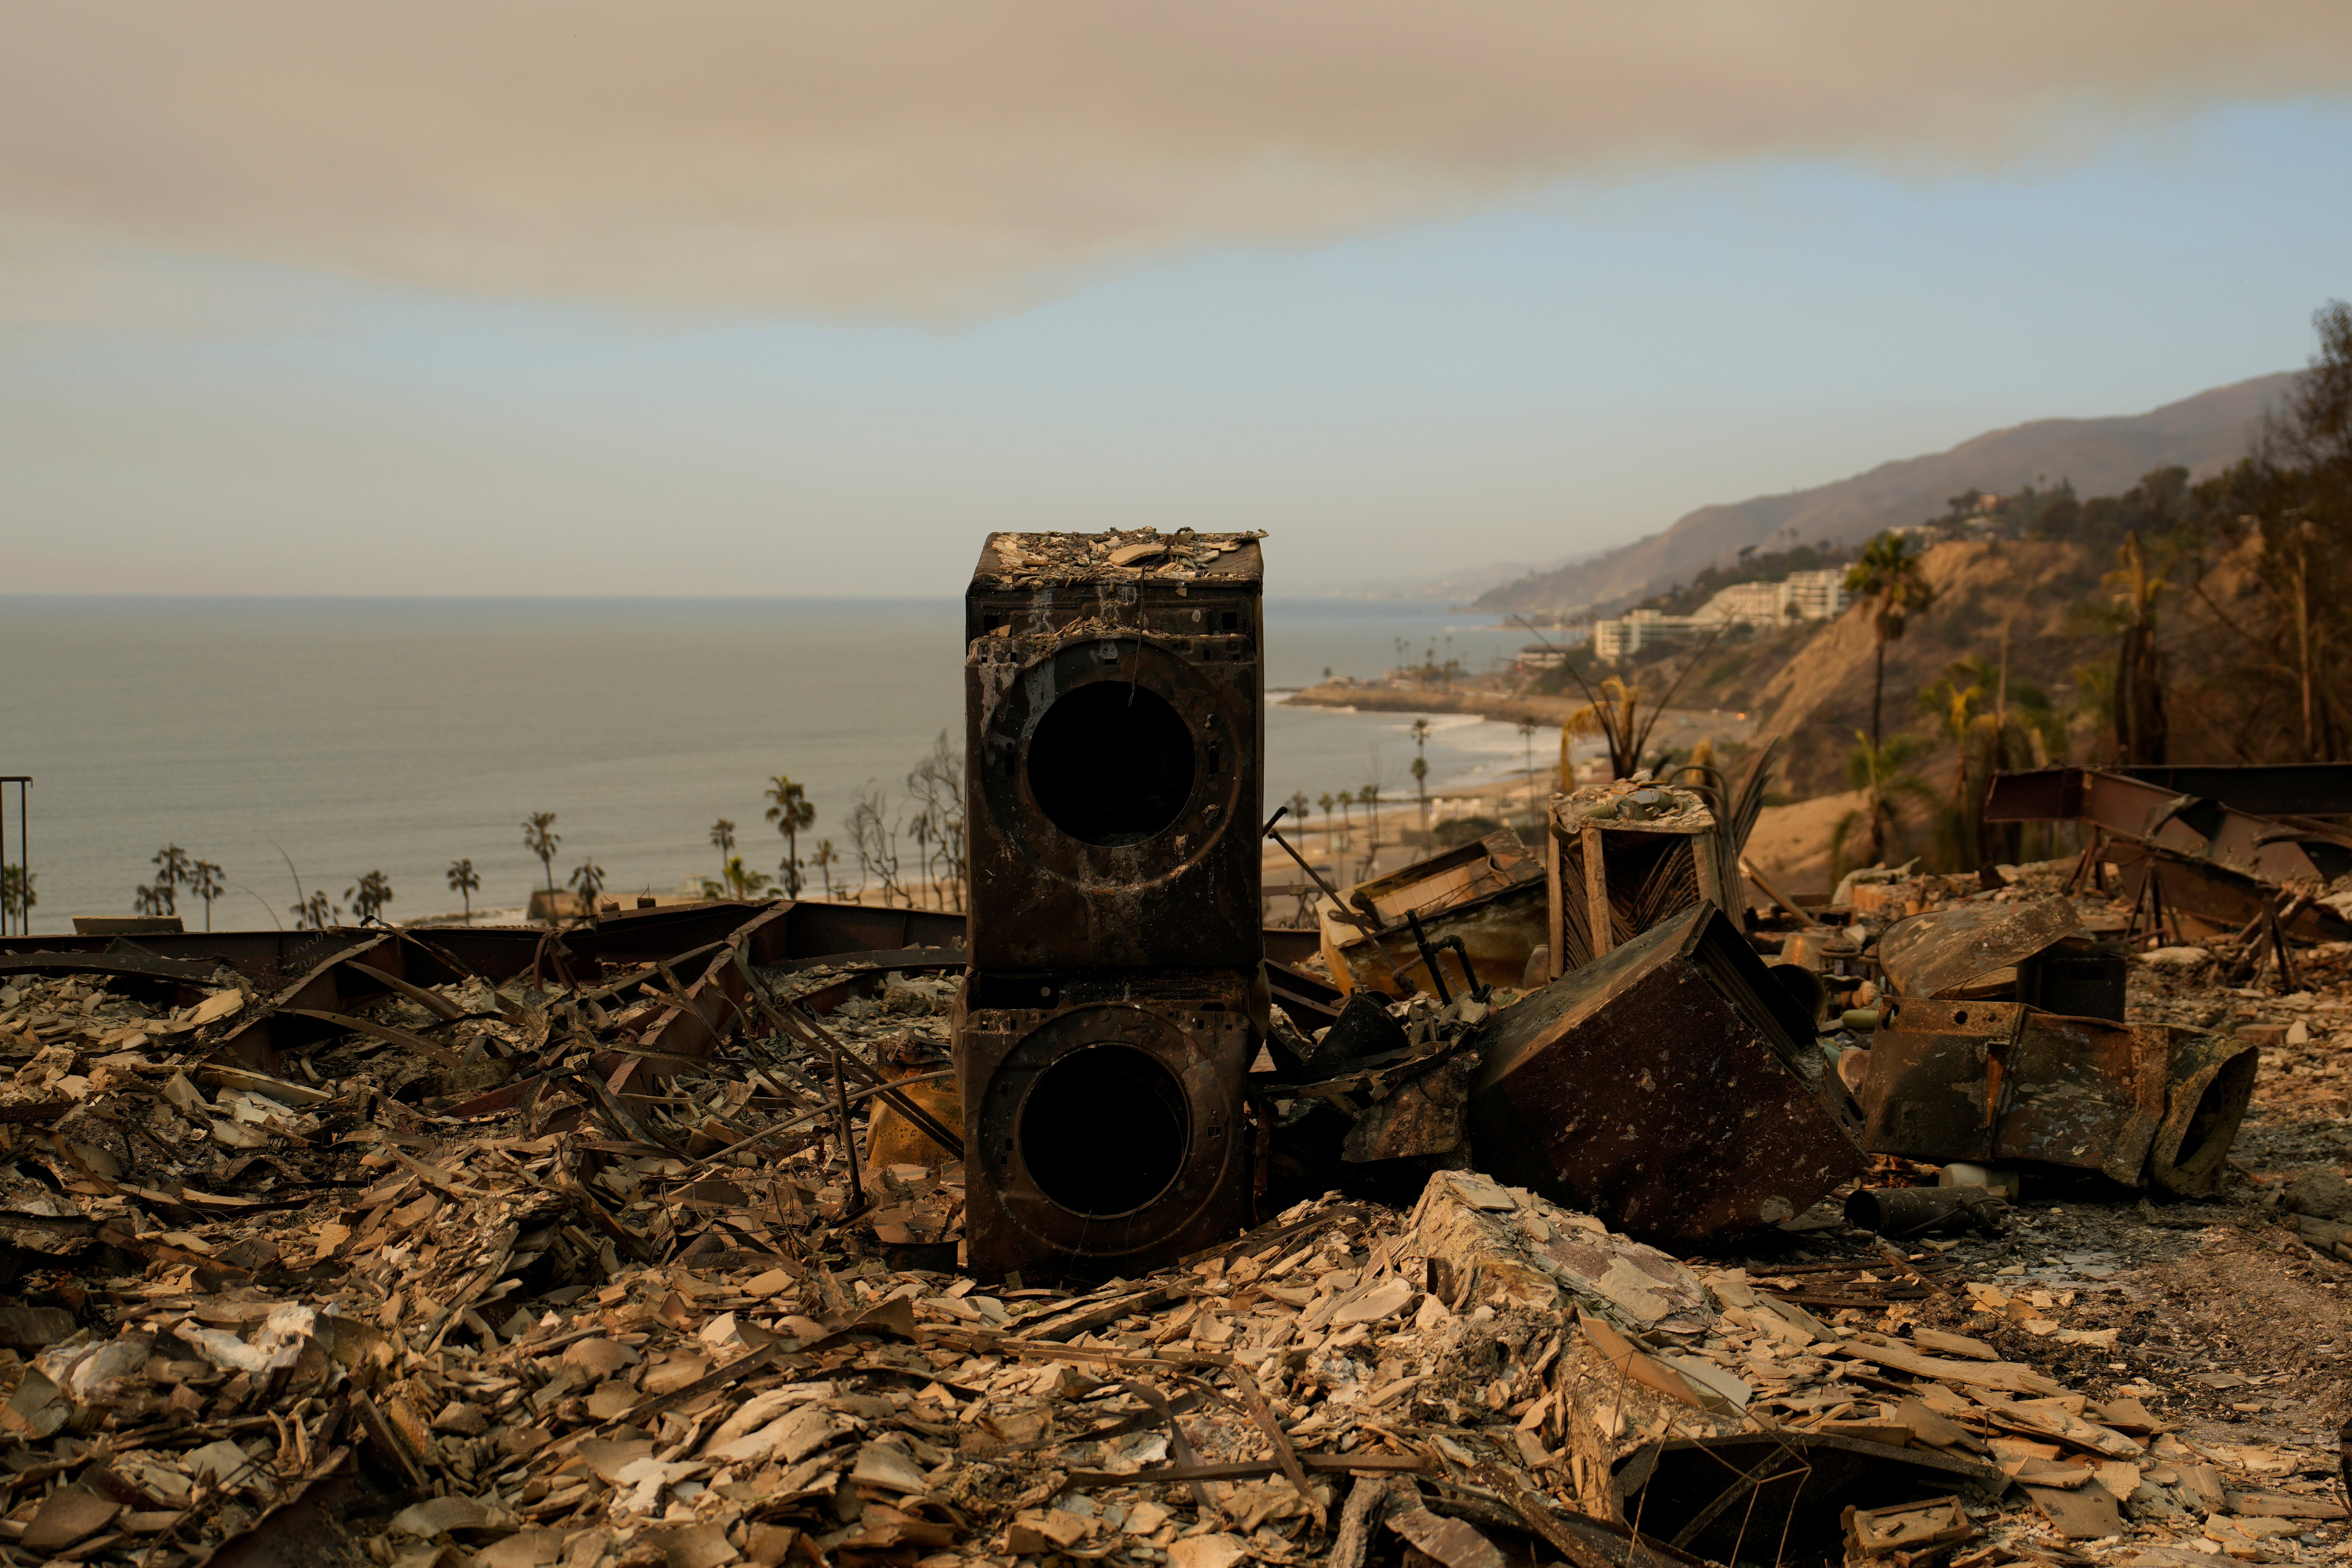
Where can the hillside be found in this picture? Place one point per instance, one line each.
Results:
(2101, 457)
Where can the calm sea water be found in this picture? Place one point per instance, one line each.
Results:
(365, 734)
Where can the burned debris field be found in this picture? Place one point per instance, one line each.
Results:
(1577, 1201)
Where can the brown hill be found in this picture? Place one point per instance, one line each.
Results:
(1819, 696)
(2101, 457)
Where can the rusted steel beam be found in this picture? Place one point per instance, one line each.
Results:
(2149, 813)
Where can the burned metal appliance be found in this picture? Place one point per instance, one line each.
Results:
(1114, 711)
(1620, 859)
(1671, 1087)
(1103, 1120)
(1113, 721)
(1957, 1080)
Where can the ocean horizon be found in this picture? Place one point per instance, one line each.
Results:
(319, 739)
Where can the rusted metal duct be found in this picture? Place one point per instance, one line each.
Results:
(2033, 952)
(2001, 1082)
(1671, 1087)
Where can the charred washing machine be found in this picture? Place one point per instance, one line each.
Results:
(1114, 704)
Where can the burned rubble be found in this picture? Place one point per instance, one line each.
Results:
(1537, 1209)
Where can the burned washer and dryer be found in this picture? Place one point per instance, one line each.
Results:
(1115, 727)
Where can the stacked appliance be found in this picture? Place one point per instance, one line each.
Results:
(1114, 702)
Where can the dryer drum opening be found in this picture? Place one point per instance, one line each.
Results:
(1104, 1130)
(1111, 763)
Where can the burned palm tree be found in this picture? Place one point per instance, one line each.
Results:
(722, 838)
(587, 880)
(1618, 713)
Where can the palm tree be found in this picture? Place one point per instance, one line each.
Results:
(1326, 801)
(1952, 702)
(464, 882)
(741, 881)
(1370, 795)
(2140, 726)
(1347, 821)
(1421, 772)
(1528, 727)
(173, 870)
(155, 899)
(315, 912)
(722, 838)
(1887, 576)
(1881, 772)
(791, 813)
(587, 880)
(539, 836)
(204, 881)
(822, 857)
(368, 899)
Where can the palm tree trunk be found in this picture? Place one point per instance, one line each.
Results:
(1877, 703)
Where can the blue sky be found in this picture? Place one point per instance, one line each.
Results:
(1550, 369)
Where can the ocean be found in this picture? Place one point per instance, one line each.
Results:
(320, 740)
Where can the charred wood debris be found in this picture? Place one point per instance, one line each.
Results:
(646, 1243)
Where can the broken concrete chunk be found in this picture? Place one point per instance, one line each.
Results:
(66, 1516)
(1484, 1243)
(598, 1357)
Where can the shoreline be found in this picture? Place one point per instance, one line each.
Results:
(1497, 705)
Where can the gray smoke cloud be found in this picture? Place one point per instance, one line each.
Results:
(913, 157)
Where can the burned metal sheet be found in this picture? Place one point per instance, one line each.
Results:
(1939, 952)
(1487, 894)
(1999, 1081)
(1670, 1087)
(2157, 813)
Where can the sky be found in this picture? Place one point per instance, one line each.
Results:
(773, 299)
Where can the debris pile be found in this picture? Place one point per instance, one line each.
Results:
(648, 1243)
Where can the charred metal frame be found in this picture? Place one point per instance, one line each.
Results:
(2203, 827)
(2003, 1082)
(1598, 868)
(1484, 900)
